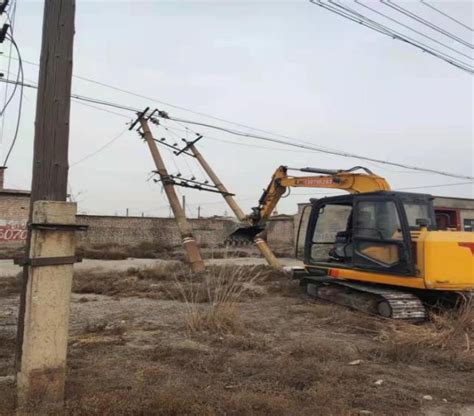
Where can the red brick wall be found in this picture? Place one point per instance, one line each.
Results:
(13, 218)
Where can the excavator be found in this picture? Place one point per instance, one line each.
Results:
(375, 249)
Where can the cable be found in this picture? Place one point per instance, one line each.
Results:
(337, 153)
(356, 17)
(258, 137)
(424, 2)
(12, 24)
(413, 16)
(436, 186)
(400, 36)
(100, 109)
(182, 108)
(100, 148)
(413, 30)
(20, 102)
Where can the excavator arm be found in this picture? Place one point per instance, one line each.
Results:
(349, 180)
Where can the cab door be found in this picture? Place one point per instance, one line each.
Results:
(381, 237)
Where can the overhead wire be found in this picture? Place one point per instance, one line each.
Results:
(20, 101)
(269, 139)
(316, 149)
(12, 24)
(104, 146)
(413, 30)
(436, 186)
(230, 141)
(425, 22)
(400, 36)
(99, 108)
(356, 17)
(425, 3)
(186, 109)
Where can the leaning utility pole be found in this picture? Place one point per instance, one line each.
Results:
(48, 265)
(260, 242)
(189, 242)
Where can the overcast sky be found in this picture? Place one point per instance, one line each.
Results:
(285, 66)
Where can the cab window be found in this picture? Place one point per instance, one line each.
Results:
(377, 220)
(332, 229)
(378, 233)
(417, 211)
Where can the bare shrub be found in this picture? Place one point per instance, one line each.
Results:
(445, 339)
(221, 289)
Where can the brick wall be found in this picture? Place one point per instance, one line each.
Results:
(14, 208)
(135, 230)
(160, 231)
(280, 232)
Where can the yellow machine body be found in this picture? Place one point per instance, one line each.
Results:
(444, 261)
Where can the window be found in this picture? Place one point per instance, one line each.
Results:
(416, 211)
(331, 229)
(377, 220)
(468, 224)
(377, 226)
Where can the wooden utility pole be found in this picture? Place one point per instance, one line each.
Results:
(260, 242)
(189, 242)
(48, 265)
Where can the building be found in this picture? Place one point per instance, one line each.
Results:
(282, 230)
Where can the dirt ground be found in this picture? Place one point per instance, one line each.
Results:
(148, 340)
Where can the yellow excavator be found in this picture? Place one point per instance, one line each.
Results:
(375, 249)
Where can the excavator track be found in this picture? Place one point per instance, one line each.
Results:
(372, 299)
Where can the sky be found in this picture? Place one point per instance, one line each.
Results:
(288, 67)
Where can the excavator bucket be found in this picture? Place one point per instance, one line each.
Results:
(244, 234)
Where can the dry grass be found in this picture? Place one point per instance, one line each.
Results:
(10, 285)
(445, 340)
(147, 250)
(147, 282)
(221, 289)
(12, 252)
(253, 346)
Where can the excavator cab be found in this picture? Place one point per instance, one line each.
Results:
(370, 231)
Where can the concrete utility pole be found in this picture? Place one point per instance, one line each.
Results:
(48, 267)
(260, 242)
(189, 242)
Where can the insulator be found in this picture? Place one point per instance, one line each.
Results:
(193, 178)
(163, 139)
(206, 182)
(178, 175)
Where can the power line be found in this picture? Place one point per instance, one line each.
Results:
(413, 30)
(424, 2)
(337, 153)
(100, 109)
(419, 19)
(357, 17)
(20, 102)
(258, 137)
(100, 148)
(12, 24)
(178, 107)
(436, 186)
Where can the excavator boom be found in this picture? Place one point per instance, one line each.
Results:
(349, 180)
